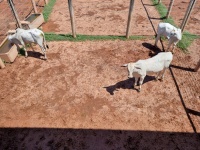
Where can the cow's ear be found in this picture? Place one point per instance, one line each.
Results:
(124, 65)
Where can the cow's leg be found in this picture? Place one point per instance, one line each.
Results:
(26, 54)
(158, 75)
(173, 48)
(157, 38)
(44, 51)
(24, 46)
(32, 47)
(141, 82)
(162, 76)
(169, 45)
(136, 80)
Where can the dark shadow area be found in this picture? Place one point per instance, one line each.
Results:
(34, 54)
(158, 18)
(127, 84)
(153, 49)
(95, 139)
(193, 112)
(182, 101)
(183, 68)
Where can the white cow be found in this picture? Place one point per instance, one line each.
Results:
(172, 33)
(23, 37)
(156, 64)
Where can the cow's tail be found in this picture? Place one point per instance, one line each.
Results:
(44, 41)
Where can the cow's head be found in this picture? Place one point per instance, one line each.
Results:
(130, 67)
(10, 37)
(176, 34)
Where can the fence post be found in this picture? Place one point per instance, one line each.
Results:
(46, 1)
(187, 14)
(34, 6)
(197, 67)
(129, 18)
(170, 8)
(1, 64)
(71, 11)
(15, 13)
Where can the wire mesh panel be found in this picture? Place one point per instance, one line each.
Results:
(179, 9)
(23, 9)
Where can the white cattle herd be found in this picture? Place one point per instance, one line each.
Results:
(138, 70)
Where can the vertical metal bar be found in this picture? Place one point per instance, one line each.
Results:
(15, 13)
(71, 11)
(187, 14)
(34, 6)
(170, 8)
(1, 64)
(129, 18)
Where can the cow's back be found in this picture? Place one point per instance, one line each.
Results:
(159, 62)
(165, 29)
(31, 35)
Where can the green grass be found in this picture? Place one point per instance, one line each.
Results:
(48, 9)
(68, 37)
(186, 41)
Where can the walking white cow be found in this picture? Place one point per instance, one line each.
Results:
(172, 33)
(23, 37)
(156, 64)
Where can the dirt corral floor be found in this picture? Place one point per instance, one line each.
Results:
(80, 98)
(84, 94)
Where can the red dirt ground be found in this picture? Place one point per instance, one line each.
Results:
(80, 98)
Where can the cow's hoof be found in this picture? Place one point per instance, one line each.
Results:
(156, 79)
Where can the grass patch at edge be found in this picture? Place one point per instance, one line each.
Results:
(79, 37)
(48, 9)
(186, 41)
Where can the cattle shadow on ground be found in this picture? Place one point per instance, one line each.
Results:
(35, 54)
(127, 84)
(95, 139)
(153, 50)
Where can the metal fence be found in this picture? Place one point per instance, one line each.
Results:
(192, 25)
(23, 9)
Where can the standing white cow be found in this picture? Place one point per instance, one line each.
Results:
(156, 64)
(172, 33)
(23, 37)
